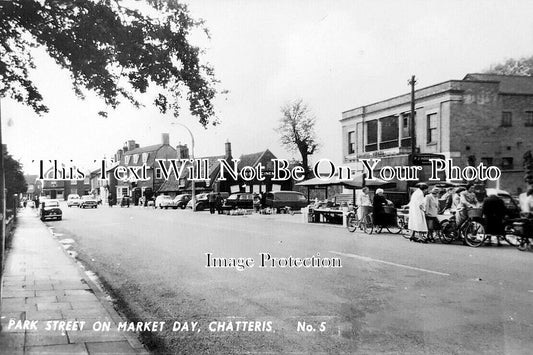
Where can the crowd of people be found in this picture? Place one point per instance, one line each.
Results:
(426, 204)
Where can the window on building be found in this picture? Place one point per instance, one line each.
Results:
(389, 132)
(507, 163)
(529, 119)
(145, 157)
(122, 191)
(371, 136)
(507, 119)
(406, 128)
(351, 142)
(126, 159)
(487, 161)
(432, 128)
(135, 158)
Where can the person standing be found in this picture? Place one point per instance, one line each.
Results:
(378, 206)
(257, 203)
(417, 217)
(447, 200)
(364, 203)
(468, 201)
(526, 202)
(212, 201)
(432, 210)
(218, 203)
(494, 211)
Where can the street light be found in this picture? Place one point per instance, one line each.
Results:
(193, 190)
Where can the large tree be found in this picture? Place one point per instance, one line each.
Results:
(522, 66)
(14, 178)
(297, 130)
(113, 48)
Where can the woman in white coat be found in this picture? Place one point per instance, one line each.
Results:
(417, 217)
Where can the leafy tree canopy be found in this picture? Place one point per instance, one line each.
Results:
(14, 177)
(297, 130)
(522, 66)
(110, 48)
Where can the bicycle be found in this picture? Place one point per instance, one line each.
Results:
(392, 224)
(353, 222)
(474, 232)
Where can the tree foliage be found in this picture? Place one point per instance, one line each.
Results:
(14, 178)
(110, 48)
(522, 66)
(297, 130)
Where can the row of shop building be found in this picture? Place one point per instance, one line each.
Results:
(133, 156)
(483, 118)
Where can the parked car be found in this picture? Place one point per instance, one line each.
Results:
(163, 201)
(282, 199)
(202, 200)
(50, 210)
(88, 201)
(181, 201)
(513, 209)
(73, 200)
(239, 200)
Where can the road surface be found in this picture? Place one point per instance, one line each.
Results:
(390, 295)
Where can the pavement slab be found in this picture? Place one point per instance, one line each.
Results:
(45, 291)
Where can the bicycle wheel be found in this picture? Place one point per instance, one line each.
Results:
(368, 226)
(510, 237)
(352, 222)
(474, 234)
(406, 233)
(523, 243)
(394, 229)
(447, 233)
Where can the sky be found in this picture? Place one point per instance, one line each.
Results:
(334, 55)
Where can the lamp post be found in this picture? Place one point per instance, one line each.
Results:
(193, 187)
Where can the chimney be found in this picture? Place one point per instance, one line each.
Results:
(118, 156)
(165, 138)
(183, 151)
(131, 145)
(228, 150)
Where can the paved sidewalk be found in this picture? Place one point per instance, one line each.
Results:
(43, 289)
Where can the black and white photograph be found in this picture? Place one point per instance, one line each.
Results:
(266, 177)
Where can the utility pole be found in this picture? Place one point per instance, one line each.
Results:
(2, 211)
(412, 82)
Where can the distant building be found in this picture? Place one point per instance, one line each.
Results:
(173, 187)
(132, 155)
(34, 187)
(482, 118)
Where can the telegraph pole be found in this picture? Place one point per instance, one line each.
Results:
(412, 82)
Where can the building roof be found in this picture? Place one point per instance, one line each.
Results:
(151, 152)
(509, 84)
(147, 149)
(173, 185)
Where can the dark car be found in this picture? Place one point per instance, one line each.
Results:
(202, 200)
(239, 200)
(282, 199)
(88, 202)
(181, 201)
(50, 210)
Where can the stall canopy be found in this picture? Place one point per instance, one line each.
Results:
(357, 182)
